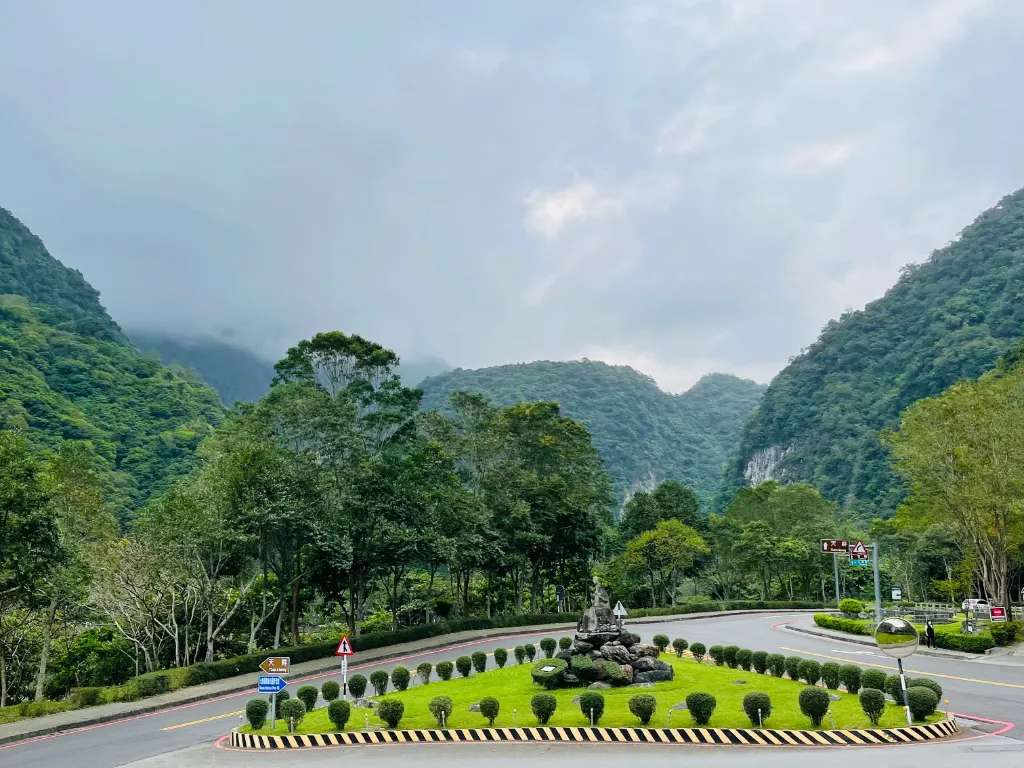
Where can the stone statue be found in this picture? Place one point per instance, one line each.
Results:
(600, 595)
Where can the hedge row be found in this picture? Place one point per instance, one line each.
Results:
(946, 636)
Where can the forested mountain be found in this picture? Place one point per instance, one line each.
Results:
(644, 435)
(947, 319)
(67, 372)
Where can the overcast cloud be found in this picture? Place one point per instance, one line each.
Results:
(683, 187)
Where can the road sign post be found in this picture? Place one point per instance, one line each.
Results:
(272, 684)
(619, 612)
(835, 547)
(997, 613)
(878, 587)
(344, 650)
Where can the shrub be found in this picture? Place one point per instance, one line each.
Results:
(330, 690)
(292, 711)
(86, 696)
(464, 664)
(338, 712)
(850, 675)
(444, 670)
(548, 672)
(843, 624)
(729, 654)
(565, 643)
(679, 645)
(872, 701)
(759, 661)
(592, 706)
(643, 706)
(584, 668)
(743, 658)
(793, 667)
(357, 686)
(531, 651)
(500, 657)
(308, 695)
(661, 641)
(717, 654)
(872, 678)
(391, 711)
(423, 671)
(283, 696)
(701, 706)
(894, 688)
(520, 653)
(379, 681)
(479, 659)
(489, 708)
(810, 671)
(776, 664)
(1005, 634)
(922, 701)
(851, 607)
(699, 651)
(543, 706)
(441, 708)
(926, 682)
(256, 713)
(830, 675)
(150, 686)
(400, 678)
(548, 645)
(613, 673)
(814, 702)
(758, 707)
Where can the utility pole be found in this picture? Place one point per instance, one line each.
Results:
(878, 585)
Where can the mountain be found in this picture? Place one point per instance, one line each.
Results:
(644, 435)
(947, 319)
(68, 372)
(235, 372)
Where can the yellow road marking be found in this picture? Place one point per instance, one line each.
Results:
(204, 720)
(916, 672)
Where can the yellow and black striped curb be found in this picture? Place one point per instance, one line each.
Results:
(765, 737)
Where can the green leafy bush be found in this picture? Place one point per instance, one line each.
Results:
(729, 654)
(444, 670)
(894, 688)
(379, 681)
(701, 706)
(543, 706)
(926, 682)
(308, 695)
(642, 706)
(851, 607)
(357, 686)
(531, 651)
(758, 707)
(500, 657)
(717, 654)
(489, 708)
(565, 643)
(872, 701)
(872, 678)
(759, 661)
(584, 668)
(400, 678)
(548, 672)
(292, 711)
(613, 673)
(660, 641)
(922, 701)
(744, 658)
(423, 671)
(520, 653)
(86, 696)
(814, 702)
(256, 713)
(592, 706)
(150, 685)
(679, 645)
(548, 645)
(479, 659)
(830, 675)
(699, 651)
(338, 712)
(776, 664)
(441, 708)
(391, 711)
(793, 667)
(282, 695)
(810, 671)
(464, 664)
(850, 675)
(330, 690)
(1006, 633)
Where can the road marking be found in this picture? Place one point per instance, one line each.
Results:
(203, 720)
(853, 653)
(915, 671)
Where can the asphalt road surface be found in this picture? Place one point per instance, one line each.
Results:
(187, 735)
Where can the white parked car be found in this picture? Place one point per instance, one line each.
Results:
(976, 604)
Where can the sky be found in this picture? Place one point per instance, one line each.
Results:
(683, 187)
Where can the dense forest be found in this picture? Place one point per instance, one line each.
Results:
(643, 434)
(947, 319)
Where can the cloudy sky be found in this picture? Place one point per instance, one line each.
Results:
(683, 187)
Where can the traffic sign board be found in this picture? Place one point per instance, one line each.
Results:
(834, 546)
(897, 594)
(620, 610)
(270, 684)
(276, 665)
(858, 550)
(344, 647)
(859, 561)
(997, 613)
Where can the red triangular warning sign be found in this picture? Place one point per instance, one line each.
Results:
(344, 647)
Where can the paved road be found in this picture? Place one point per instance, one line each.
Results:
(185, 735)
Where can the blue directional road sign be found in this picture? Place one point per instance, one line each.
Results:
(270, 684)
(860, 561)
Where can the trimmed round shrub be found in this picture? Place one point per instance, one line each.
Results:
(850, 675)
(292, 711)
(793, 667)
(613, 673)
(642, 707)
(520, 653)
(894, 688)
(717, 654)
(776, 664)
(592, 706)
(701, 706)
(759, 661)
(679, 645)
(357, 686)
(814, 702)
(851, 607)
(308, 695)
(565, 643)
(338, 712)
(872, 678)
(543, 706)
(548, 645)
(283, 696)
(922, 701)
(584, 668)
(758, 707)
(256, 713)
(500, 657)
(441, 708)
(489, 708)
(444, 670)
(872, 701)
(699, 651)
(465, 665)
(548, 672)
(391, 711)
(830, 675)
(810, 671)
(531, 651)
(400, 678)
(423, 671)
(729, 654)
(379, 681)
(743, 658)
(926, 682)
(479, 659)
(330, 690)
(660, 641)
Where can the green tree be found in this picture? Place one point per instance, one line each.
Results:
(664, 555)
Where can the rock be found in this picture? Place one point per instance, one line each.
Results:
(680, 707)
(598, 686)
(365, 703)
(616, 653)
(565, 655)
(628, 639)
(658, 664)
(569, 679)
(642, 685)
(654, 676)
(628, 672)
(739, 682)
(474, 707)
(644, 664)
(595, 655)
(645, 649)
(582, 646)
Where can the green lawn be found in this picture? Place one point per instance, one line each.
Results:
(513, 688)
